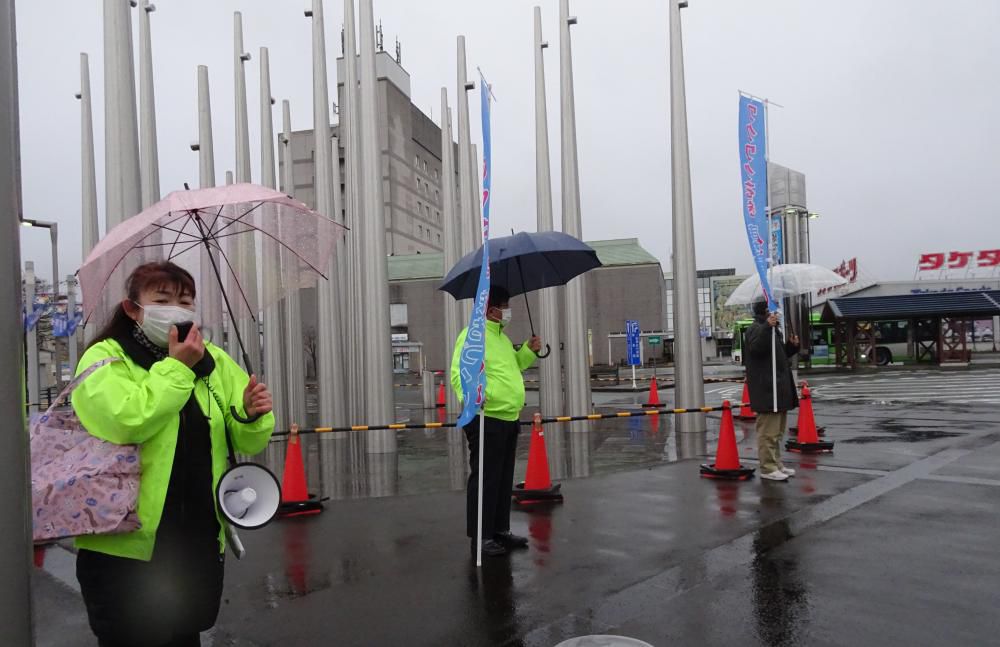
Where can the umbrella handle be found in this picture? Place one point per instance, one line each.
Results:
(238, 418)
(548, 351)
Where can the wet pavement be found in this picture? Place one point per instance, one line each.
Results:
(889, 540)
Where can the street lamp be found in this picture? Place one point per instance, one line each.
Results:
(54, 237)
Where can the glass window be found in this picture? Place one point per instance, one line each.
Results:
(398, 313)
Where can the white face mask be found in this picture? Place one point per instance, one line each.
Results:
(158, 319)
(505, 316)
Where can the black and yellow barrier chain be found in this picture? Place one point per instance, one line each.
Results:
(651, 411)
(662, 381)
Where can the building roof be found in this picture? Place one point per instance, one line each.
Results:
(622, 251)
(611, 253)
(903, 306)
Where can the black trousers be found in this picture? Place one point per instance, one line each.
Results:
(165, 602)
(498, 475)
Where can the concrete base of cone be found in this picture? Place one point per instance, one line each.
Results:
(820, 431)
(741, 473)
(821, 447)
(549, 495)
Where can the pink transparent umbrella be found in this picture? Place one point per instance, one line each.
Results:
(191, 221)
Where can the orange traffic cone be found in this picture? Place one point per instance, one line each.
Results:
(746, 411)
(295, 498)
(794, 430)
(442, 399)
(727, 458)
(654, 394)
(537, 486)
(808, 441)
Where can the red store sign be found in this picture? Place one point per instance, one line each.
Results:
(958, 260)
(848, 270)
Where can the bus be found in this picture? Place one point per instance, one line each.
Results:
(821, 334)
(891, 336)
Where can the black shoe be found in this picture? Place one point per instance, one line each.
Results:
(510, 540)
(491, 548)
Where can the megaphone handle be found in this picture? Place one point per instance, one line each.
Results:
(234, 542)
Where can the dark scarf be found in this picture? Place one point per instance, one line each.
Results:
(189, 509)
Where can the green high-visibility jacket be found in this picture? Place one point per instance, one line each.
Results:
(124, 404)
(504, 383)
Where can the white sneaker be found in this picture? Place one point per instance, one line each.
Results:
(776, 475)
(788, 471)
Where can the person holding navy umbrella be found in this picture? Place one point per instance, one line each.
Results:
(501, 411)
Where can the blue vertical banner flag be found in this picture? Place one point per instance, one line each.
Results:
(753, 171)
(632, 341)
(60, 325)
(471, 363)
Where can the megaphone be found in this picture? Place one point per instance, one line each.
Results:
(248, 495)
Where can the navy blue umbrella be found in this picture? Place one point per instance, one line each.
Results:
(522, 263)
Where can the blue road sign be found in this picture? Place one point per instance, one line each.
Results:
(632, 341)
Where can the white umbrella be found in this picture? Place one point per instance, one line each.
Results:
(789, 280)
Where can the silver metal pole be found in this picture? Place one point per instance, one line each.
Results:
(350, 123)
(74, 356)
(295, 362)
(550, 369)
(88, 188)
(54, 242)
(690, 389)
(275, 347)
(245, 246)
(121, 135)
(452, 244)
(578, 400)
(15, 528)
(476, 176)
(330, 371)
(209, 292)
(31, 340)
(377, 339)
(466, 169)
(206, 143)
(790, 238)
(122, 192)
(149, 160)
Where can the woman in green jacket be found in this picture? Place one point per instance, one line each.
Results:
(161, 585)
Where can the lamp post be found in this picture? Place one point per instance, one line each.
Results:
(54, 238)
(53, 228)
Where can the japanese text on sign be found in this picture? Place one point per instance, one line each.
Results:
(958, 260)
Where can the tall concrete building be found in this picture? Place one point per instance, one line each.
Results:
(410, 142)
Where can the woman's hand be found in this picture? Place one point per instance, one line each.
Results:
(190, 351)
(256, 398)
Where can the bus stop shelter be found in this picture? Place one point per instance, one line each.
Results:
(939, 324)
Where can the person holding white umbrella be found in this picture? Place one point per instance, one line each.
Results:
(772, 389)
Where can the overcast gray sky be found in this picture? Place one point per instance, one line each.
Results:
(889, 109)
